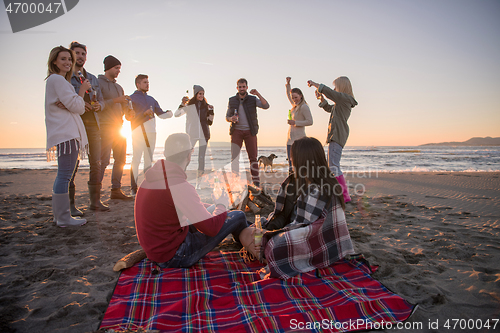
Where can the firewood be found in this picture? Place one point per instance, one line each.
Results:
(268, 197)
(264, 198)
(259, 202)
(130, 260)
(253, 207)
(244, 202)
(254, 189)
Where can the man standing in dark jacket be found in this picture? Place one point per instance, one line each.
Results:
(111, 120)
(93, 105)
(242, 114)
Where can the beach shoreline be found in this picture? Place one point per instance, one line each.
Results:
(434, 235)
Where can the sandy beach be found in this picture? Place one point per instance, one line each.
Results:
(435, 237)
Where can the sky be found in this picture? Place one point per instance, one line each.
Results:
(422, 71)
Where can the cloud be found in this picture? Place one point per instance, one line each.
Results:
(13, 122)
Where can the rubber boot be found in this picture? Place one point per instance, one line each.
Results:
(95, 198)
(345, 189)
(117, 193)
(60, 209)
(72, 208)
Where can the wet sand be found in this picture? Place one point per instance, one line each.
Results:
(434, 235)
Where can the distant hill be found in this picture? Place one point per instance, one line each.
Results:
(487, 141)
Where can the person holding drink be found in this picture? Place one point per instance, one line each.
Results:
(94, 103)
(65, 129)
(111, 121)
(242, 114)
(143, 127)
(313, 232)
(174, 227)
(298, 117)
(198, 119)
(338, 130)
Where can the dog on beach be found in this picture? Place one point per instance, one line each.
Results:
(267, 161)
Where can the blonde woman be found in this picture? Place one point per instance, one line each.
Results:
(65, 130)
(338, 130)
(298, 118)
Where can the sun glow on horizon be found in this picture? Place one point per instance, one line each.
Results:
(126, 131)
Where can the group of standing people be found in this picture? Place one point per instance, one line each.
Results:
(84, 116)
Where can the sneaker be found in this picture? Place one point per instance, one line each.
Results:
(116, 193)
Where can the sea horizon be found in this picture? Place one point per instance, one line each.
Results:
(354, 158)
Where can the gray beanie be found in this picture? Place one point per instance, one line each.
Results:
(197, 89)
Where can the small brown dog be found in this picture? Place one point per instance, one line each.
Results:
(267, 161)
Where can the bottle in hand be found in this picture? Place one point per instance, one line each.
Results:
(217, 188)
(93, 97)
(258, 228)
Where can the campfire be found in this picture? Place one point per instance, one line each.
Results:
(241, 195)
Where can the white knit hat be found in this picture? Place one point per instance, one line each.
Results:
(177, 143)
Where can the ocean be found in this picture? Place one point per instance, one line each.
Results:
(354, 158)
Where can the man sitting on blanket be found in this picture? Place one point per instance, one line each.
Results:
(174, 227)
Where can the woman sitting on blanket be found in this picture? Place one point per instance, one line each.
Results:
(309, 217)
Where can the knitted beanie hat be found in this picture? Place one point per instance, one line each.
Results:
(110, 62)
(197, 89)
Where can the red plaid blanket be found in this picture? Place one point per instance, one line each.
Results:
(223, 294)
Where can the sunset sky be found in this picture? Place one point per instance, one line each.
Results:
(422, 71)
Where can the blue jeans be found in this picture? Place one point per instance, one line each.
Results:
(111, 139)
(94, 137)
(197, 245)
(67, 156)
(334, 155)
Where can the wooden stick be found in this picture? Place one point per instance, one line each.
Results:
(253, 207)
(228, 188)
(130, 260)
(259, 202)
(244, 202)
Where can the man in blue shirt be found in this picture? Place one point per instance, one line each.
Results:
(143, 127)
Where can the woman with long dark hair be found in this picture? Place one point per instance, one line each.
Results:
(66, 136)
(197, 123)
(313, 231)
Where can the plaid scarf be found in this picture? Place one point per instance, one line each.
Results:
(316, 238)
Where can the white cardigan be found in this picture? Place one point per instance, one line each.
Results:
(63, 125)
